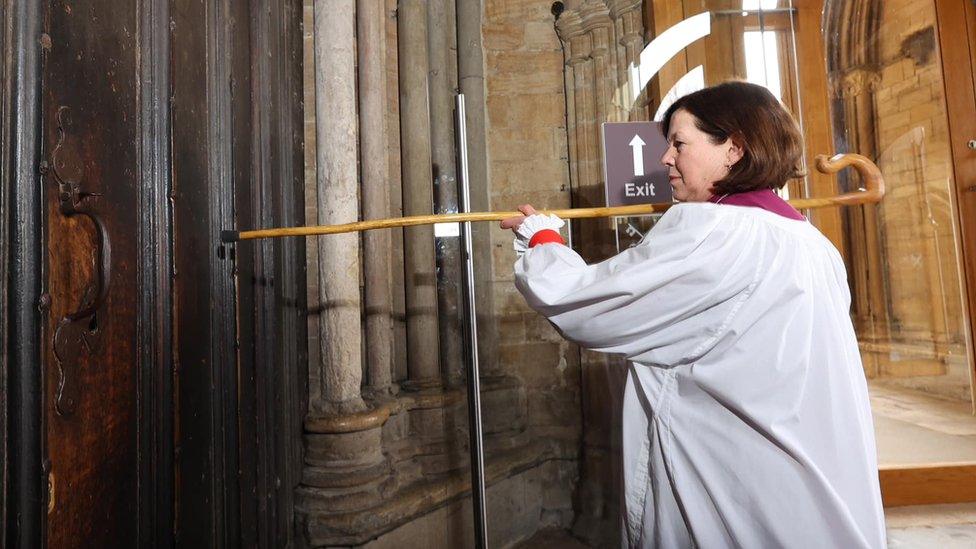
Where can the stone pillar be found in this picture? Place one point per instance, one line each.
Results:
(420, 278)
(471, 81)
(583, 128)
(924, 328)
(442, 49)
(627, 16)
(336, 133)
(396, 190)
(852, 60)
(344, 460)
(597, 24)
(377, 249)
(599, 40)
(855, 90)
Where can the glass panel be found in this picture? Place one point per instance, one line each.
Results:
(751, 40)
(870, 83)
(860, 76)
(903, 256)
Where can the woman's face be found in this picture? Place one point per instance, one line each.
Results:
(694, 162)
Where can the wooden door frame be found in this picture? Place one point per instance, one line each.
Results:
(957, 18)
(154, 309)
(928, 484)
(22, 201)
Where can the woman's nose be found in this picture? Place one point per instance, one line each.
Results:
(668, 158)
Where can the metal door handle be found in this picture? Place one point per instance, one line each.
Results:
(80, 328)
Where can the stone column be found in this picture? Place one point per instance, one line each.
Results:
(396, 190)
(601, 39)
(584, 154)
(344, 459)
(855, 90)
(336, 133)
(377, 249)
(420, 282)
(598, 38)
(442, 51)
(596, 23)
(471, 81)
(629, 30)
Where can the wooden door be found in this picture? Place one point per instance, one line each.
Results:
(90, 109)
(152, 376)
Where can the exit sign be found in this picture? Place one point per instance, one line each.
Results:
(632, 169)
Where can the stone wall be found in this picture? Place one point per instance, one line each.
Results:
(395, 472)
(528, 164)
(518, 506)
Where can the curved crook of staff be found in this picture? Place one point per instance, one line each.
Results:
(869, 172)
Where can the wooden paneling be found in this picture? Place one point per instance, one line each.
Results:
(155, 256)
(239, 310)
(659, 17)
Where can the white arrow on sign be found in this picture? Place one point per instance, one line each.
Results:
(637, 145)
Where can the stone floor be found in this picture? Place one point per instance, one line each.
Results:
(925, 526)
(913, 427)
(552, 539)
(921, 527)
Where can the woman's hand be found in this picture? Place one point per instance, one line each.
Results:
(514, 222)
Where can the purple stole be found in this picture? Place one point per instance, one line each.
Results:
(762, 198)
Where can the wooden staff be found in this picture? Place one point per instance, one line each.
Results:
(870, 175)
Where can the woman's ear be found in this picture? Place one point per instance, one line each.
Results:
(735, 150)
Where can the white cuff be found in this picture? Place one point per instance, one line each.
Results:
(533, 224)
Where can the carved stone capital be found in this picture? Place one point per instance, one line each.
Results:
(595, 16)
(569, 25)
(856, 82)
(620, 8)
(630, 28)
(580, 49)
(601, 43)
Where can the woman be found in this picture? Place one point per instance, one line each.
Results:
(746, 414)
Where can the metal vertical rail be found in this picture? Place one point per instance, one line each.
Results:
(474, 385)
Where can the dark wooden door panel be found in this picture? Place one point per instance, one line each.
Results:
(91, 111)
(156, 376)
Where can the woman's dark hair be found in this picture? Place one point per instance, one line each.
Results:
(754, 119)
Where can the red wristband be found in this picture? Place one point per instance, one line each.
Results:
(545, 236)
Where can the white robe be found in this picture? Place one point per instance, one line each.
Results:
(746, 414)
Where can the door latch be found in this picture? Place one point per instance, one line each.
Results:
(79, 329)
